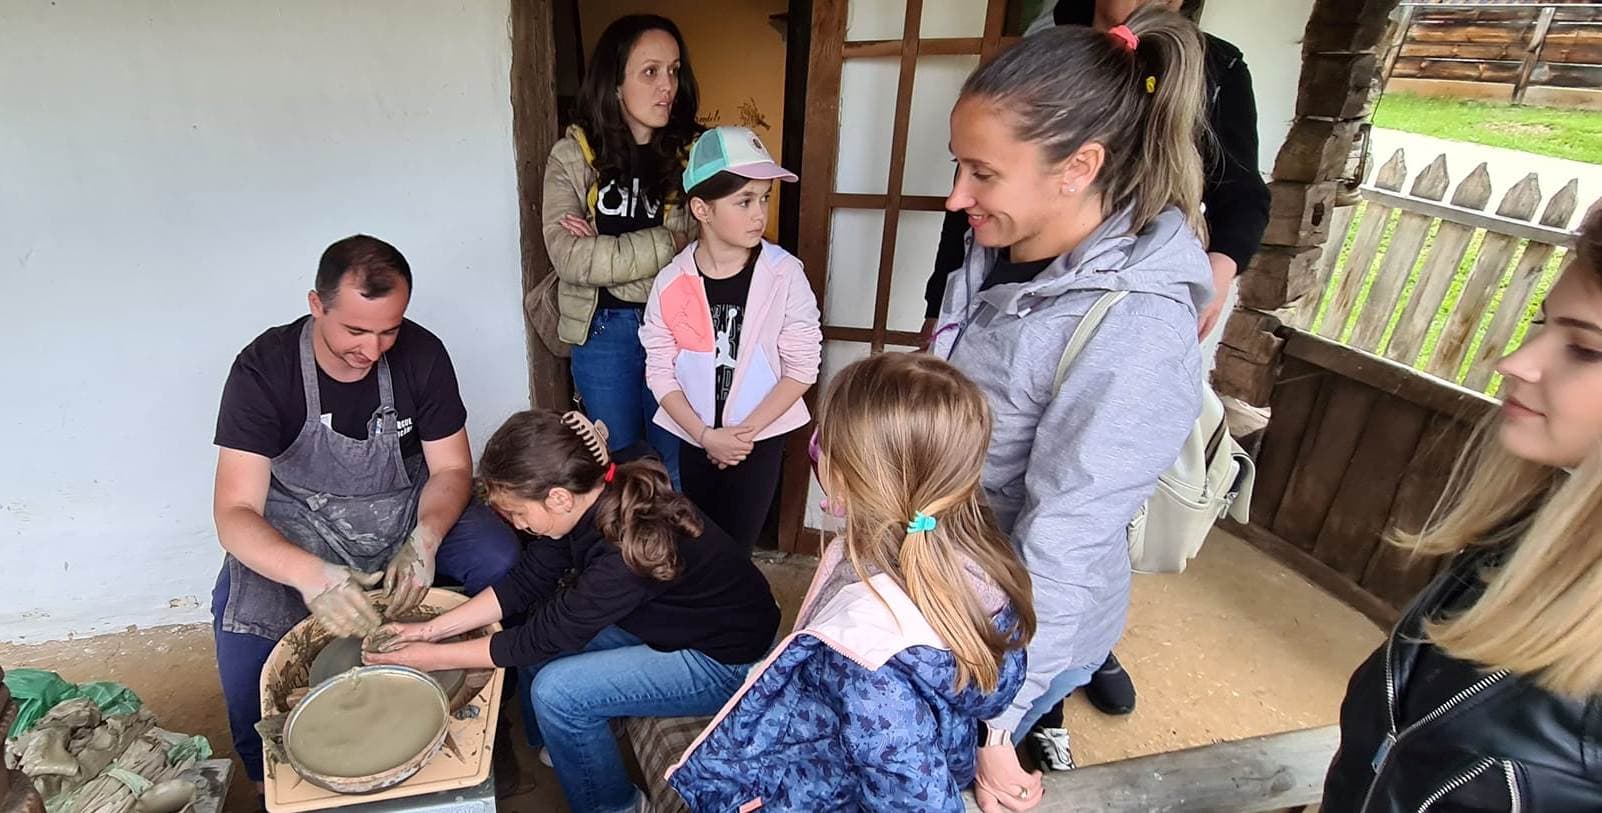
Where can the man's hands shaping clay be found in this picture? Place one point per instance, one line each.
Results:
(411, 572)
(336, 599)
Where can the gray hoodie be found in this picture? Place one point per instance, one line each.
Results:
(1068, 470)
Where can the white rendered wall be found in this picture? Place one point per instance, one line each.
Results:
(1270, 35)
(169, 173)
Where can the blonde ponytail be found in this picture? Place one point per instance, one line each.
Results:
(903, 438)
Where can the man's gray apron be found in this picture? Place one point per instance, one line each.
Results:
(347, 501)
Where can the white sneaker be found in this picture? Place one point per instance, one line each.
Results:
(1050, 748)
(545, 756)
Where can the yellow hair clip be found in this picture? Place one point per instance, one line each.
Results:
(1151, 84)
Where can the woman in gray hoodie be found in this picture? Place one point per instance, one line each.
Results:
(1079, 170)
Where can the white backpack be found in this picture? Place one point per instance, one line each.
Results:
(1212, 477)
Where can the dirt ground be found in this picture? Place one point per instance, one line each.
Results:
(1236, 647)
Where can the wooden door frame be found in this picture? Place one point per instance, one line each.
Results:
(820, 134)
(533, 91)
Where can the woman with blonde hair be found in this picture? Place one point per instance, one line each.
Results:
(914, 626)
(1488, 693)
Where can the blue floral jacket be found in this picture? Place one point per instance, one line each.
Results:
(855, 710)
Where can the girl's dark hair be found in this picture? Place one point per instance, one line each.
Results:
(536, 451)
(599, 112)
(718, 187)
(1069, 86)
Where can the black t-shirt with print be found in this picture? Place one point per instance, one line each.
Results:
(264, 405)
(726, 299)
(620, 208)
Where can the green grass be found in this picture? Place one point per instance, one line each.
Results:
(1572, 134)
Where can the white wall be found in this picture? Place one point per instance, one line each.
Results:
(1270, 35)
(170, 171)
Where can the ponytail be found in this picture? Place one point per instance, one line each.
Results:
(536, 451)
(1171, 71)
(1138, 93)
(903, 436)
(941, 587)
(642, 514)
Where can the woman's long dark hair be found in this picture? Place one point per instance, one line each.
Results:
(600, 113)
(539, 450)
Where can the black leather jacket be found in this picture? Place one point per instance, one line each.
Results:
(1479, 741)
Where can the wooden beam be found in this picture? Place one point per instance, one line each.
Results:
(1532, 54)
(822, 133)
(1281, 275)
(914, 203)
(1316, 150)
(1474, 219)
(944, 46)
(900, 338)
(1336, 85)
(898, 167)
(533, 134)
(1263, 773)
(1389, 377)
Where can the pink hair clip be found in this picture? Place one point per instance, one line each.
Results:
(1124, 36)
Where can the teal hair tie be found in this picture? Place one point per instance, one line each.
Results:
(921, 523)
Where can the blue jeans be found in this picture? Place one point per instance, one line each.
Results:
(573, 699)
(1061, 686)
(479, 550)
(609, 372)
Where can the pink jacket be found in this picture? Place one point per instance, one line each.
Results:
(779, 338)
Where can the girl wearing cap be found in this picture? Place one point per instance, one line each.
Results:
(664, 617)
(613, 214)
(731, 336)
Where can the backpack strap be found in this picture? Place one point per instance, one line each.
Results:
(1083, 331)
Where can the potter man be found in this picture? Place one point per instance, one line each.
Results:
(343, 461)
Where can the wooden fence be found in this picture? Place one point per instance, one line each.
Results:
(1434, 281)
(1518, 45)
(1357, 446)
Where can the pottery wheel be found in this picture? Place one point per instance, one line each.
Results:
(342, 654)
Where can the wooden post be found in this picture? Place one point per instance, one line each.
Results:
(1365, 247)
(1519, 289)
(1451, 243)
(1532, 53)
(1496, 252)
(1262, 773)
(533, 133)
(1412, 229)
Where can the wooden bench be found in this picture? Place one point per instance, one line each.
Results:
(1276, 772)
(1272, 773)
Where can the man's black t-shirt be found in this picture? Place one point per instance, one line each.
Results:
(726, 299)
(264, 404)
(621, 208)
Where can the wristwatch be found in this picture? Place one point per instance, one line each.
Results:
(996, 736)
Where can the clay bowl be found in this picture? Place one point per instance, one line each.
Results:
(287, 672)
(375, 782)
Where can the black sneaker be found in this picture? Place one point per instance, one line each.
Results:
(1110, 690)
(1049, 746)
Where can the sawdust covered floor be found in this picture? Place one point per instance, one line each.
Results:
(1236, 647)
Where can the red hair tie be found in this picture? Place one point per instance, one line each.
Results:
(1124, 36)
(611, 472)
